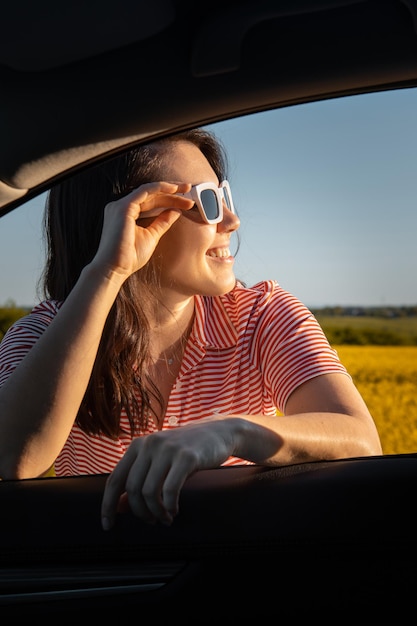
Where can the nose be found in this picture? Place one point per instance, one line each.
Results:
(230, 221)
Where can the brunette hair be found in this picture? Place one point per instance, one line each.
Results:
(72, 224)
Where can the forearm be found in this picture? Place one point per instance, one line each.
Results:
(40, 400)
(325, 418)
(283, 440)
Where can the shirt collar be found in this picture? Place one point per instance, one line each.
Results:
(214, 323)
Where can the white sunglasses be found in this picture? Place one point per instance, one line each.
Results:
(208, 198)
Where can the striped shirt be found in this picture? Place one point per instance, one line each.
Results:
(247, 352)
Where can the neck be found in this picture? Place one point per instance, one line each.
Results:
(170, 332)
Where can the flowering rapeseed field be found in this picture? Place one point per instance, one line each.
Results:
(386, 376)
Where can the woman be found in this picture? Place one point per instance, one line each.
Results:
(148, 359)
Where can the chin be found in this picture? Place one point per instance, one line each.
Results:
(224, 287)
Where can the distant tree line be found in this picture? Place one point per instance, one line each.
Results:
(367, 336)
(388, 312)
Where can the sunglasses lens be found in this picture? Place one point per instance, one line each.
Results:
(209, 201)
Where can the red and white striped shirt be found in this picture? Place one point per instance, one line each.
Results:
(247, 352)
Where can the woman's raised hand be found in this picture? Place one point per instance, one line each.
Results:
(127, 241)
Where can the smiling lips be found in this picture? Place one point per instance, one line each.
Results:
(219, 253)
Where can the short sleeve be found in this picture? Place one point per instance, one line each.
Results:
(23, 335)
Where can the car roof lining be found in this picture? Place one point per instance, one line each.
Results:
(258, 65)
(49, 25)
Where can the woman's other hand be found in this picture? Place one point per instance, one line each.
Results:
(149, 477)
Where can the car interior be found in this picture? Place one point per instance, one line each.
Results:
(333, 541)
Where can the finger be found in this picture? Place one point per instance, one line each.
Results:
(154, 195)
(162, 223)
(144, 492)
(155, 205)
(147, 213)
(136, 493)
(163, 187)
(165, 195)
(174, 482)
(163, 485)
(113, 490)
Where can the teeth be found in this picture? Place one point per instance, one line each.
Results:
(219, 252)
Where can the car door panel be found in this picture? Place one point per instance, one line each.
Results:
(342, 523)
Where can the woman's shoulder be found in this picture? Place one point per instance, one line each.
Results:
(261, 294)
(51, 306)
(37, 319)
(265, 300)
(46, 309)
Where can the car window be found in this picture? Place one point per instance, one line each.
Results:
(326, 194)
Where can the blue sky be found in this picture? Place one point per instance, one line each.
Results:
(326, 193)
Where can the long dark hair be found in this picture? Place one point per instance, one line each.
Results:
(73, 224)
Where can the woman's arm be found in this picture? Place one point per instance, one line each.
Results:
(325, 418)
(40, 400)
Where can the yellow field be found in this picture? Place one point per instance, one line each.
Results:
(386, 376)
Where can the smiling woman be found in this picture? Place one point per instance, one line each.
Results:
(325, 187)
(152, 361)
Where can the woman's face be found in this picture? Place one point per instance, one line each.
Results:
(194, 257)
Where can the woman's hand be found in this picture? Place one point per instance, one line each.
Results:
(127, 243)
(149, 477)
